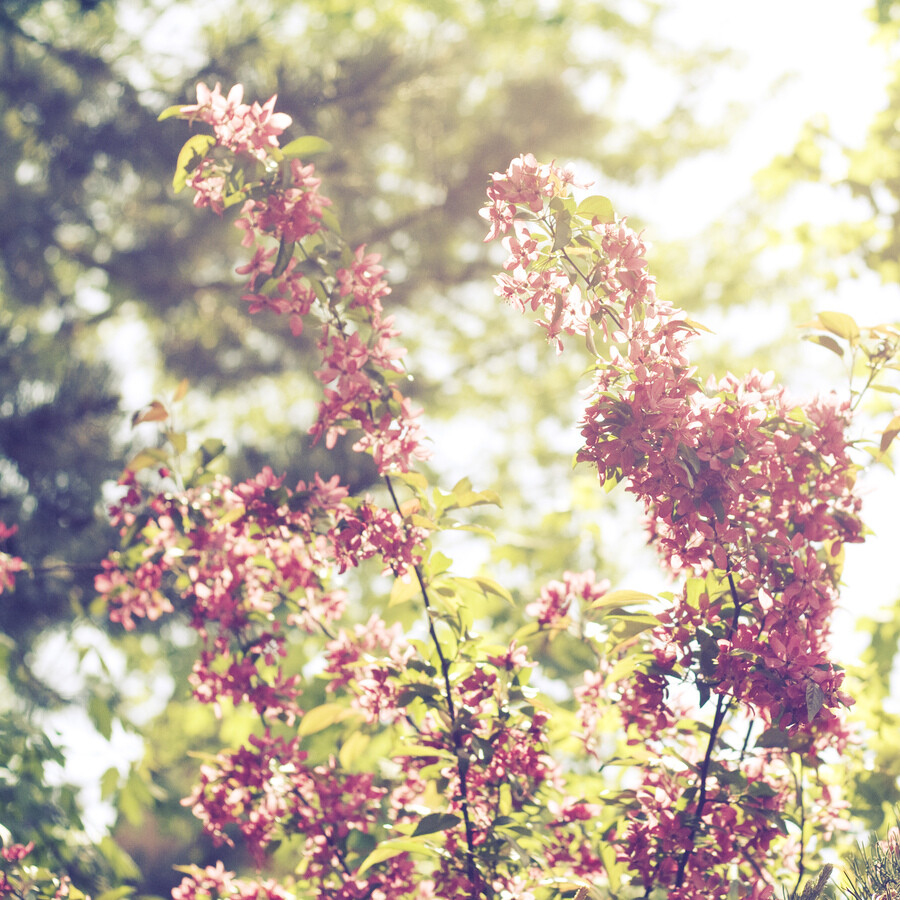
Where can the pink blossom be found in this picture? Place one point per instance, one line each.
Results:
(242, 128)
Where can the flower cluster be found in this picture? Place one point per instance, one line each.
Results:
(251, 563)
(215, 883)
(552, 607)
(246, 561)
(360, 364)
(241, 127)
(748, 499)
(740, 488)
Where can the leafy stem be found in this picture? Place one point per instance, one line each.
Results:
(471, 866)
(723, 705)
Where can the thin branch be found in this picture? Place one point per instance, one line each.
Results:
(722, 706)
(798, 781)
(471, 868)
(746, 743)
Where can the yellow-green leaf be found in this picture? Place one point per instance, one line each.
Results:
(147, 459)
(422, 750)
(353, 748)
(169, 113)
(308, 145)
(404, 590)
(192, 152)
(596, 207)
(321, 717)
(489, 586)
(622, 598)
(840, 324)
(390, 849)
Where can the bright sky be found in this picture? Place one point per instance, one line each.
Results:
(796, 60)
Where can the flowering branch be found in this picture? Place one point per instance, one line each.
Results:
(462, 770)
(494, 788)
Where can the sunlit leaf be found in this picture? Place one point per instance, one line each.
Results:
(390, 849)
(321, 717)
(169, 113)
(210, 449)
(840, 324)
(101, 715)
(353, 748)
(306, 146)
(489, 586)
(194, 150)
(596, 207)
(147, 459)
(403, 591)
(622, 597)
(117, 893)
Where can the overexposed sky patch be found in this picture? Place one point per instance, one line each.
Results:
(793, 62)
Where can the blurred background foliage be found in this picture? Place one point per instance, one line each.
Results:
(112, 291)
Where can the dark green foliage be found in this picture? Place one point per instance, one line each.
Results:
(874, 870)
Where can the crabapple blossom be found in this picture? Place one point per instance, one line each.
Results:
(737, 484)
(485, 787)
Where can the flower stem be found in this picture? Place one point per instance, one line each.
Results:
(472, 872)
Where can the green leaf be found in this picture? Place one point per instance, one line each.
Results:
(622, 598)
(422, 750)
(411, 692)
(403, 591)
(285, 252)
(563, 231)
(147, 459)
(840, 324)
(698, 326)
(772, 737)
(321, 717)
(209, 450)
(596, 207)
(122, 864)
(305, 146)
(116, 893)
(416, 480)
(437, 564)
(169, 113)
(435, 822)
(390, 849)
(109, 782)
(194, 150)
(353, 748)
(489, 586)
